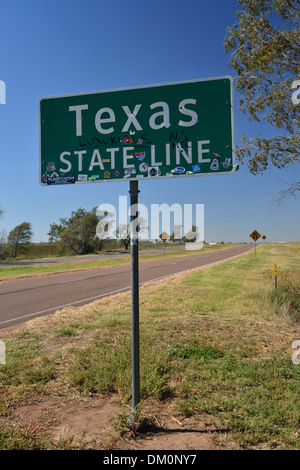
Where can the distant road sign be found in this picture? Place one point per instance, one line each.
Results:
(255, 235)
(164, 236)
(157, 131)
(263, 237)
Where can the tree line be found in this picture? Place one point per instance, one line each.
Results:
(77, 235)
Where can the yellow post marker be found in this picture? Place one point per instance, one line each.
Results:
(275, 274)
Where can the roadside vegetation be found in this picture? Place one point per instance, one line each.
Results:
(215, 343)
(79, 263)
(84, 232)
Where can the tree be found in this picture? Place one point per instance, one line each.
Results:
(78, 233)
(123, 233)
(3, 239)
(55, 232)
(265, 54)
(19, 237)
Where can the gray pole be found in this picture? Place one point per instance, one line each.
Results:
(134, 301)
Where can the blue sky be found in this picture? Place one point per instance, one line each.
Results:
(64, 47)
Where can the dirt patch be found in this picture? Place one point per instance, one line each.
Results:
(170, 431)
(99, 424)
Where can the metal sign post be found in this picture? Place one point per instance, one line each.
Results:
(132, 421)
(255, 235)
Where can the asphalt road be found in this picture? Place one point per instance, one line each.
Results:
(27, 298)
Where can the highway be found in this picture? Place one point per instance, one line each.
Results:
(27, 298)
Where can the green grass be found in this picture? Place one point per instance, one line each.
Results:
(215, 343)
(18, 438)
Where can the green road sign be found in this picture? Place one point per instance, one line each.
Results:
(157, 131)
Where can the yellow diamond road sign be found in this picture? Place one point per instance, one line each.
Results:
(164, 236)
(255, 235)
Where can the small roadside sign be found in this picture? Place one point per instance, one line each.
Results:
(164, 236)
(263, 237)
(255, 235)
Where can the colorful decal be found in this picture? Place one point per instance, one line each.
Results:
(227, 163)
(153, 171)
(143, 167)
(106, 174)
(140, 156)
(45, 176)
(61, 180)
(50, 166)
(139, 141)
(215, 163)
(54, 175)
(117, 173)
(128, 140)
(196, 168)
(178, 170)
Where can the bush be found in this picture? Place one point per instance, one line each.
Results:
(286, 297)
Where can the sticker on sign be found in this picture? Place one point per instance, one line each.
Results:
(169, 130)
